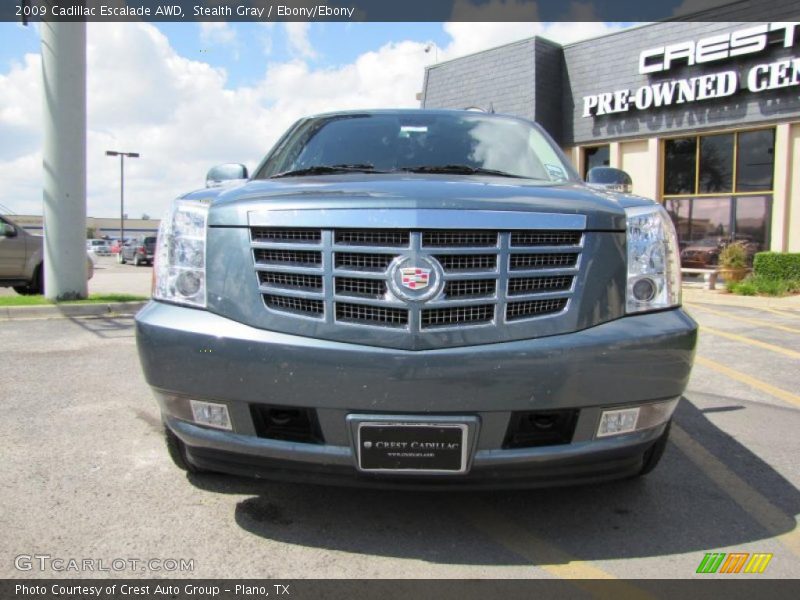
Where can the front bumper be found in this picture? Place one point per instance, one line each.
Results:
(187, 353)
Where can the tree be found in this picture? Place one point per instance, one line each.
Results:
(90, 233)
(145, 216)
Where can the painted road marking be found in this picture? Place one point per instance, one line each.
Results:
(781, 312)
(753, 342)
(766, 514)
(751, 381)
(545, 555)
(748, 320)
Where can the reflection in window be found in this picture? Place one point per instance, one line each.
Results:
(597, 156)
(755, 160)
(680, 161)
(752, 214)
(716, 163)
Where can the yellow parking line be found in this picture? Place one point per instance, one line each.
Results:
(757, 322)
(746, 340)
(781, 313)
(751, 381)
(544, 555)
(766, 514)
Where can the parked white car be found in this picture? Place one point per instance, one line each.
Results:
(98, 247)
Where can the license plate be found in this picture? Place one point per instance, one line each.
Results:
(413, 447)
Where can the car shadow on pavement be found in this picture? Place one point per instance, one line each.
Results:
(676, 509)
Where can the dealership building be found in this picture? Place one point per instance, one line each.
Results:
(704, 116)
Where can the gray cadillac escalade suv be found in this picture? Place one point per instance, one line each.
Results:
(416, 298)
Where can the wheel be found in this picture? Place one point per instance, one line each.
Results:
(120, 258)
(177, 452)
(655, 452)
(136, 262)
(36, 286)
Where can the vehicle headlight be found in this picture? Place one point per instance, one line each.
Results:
(654, 270)
(180, 259)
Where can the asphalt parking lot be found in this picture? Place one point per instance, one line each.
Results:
(86, 475)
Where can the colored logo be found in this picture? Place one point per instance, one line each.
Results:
(415, 278)
(734, 562)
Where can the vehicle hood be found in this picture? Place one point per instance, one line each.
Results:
(232, 206)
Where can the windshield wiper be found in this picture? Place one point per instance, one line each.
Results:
(328, 169)
(460, 170)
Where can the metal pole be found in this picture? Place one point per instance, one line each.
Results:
(64, 159)
(121, 200)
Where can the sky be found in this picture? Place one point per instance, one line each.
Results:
(188, 96)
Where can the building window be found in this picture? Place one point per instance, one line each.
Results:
(718, 189)
(595, 156)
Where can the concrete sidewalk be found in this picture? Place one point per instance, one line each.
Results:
(692, 293)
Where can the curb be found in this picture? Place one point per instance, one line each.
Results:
(66, 311)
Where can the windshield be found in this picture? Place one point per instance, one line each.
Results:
(460, 144)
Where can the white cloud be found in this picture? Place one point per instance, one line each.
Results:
(297, 36)
(217, 33)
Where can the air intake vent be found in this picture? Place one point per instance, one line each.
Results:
(458, 239)
(287, 257)
(531, 285)
(457, 315)
(540, 428)
(534, 308)
(286, 236)
(470, 288)
(372, 237)
(468, 262)
(545, 238)
(372, 315)
(286, 423)
(295, 281)
(305, 306)
(520, 262)
(363, 262)
(368, 288)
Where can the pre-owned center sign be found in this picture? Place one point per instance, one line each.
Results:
(750, 40)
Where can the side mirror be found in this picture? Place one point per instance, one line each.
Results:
(615, 180)
(7, 230)
(221, 174)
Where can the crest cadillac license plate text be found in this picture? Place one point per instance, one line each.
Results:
(415, 447)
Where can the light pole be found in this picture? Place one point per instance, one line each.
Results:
(122, 156)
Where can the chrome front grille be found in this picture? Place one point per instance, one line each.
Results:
(484, 277)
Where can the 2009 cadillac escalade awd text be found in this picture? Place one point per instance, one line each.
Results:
(416, 298)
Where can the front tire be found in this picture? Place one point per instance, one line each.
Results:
(177, 452)
(36, 286)
(653, 455)
(136, 261)
(120, 258)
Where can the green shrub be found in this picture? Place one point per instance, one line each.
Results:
(777, 265)
(733, 256)
(760, 285)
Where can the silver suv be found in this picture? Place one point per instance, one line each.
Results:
(416, 298)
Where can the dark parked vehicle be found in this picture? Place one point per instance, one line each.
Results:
(139, 251)
(704, 253)
(417, 298)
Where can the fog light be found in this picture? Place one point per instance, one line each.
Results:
(615, 422)
(637, 418)
(211, 414)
